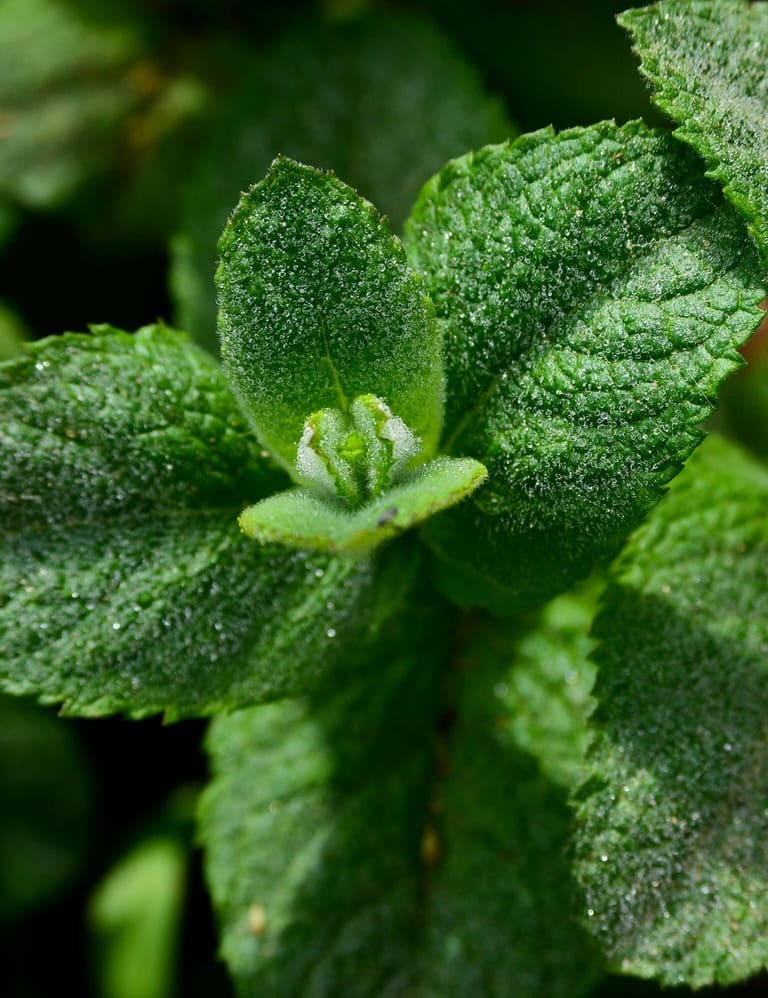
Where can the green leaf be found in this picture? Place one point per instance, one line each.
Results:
(389, 838)
(135, 914)
(672, 846)
(12, 333)
(317, 306)
(301, 519)
(706, 60)
(384, 101)
(545, 694)
(69, 77)
(125, 584)
(45, 805)
(586, 334)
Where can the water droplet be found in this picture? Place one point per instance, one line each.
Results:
(500, 690)
(331, 632)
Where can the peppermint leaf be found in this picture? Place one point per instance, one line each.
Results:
(586, 335)
(125, 584)
(672, 845)
(706, 61)
(318, 306)
(387, 837)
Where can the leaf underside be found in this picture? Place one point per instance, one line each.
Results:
(585, 338)
(706, 61)
(672, 843)
(125, 584)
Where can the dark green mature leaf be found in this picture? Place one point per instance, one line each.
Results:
(45, 804)
(384, 101)
(499, 912)
(707, 60)
(672, 847)
(68, 80)
(299, 518)
(373, 842)
(125, 584)
(318, 306)
(586, 332)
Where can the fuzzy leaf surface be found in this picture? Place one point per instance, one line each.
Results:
(545, 694)
(384, 100)
(706, 61)
(303, 520)
(672, 844)
(125, 584)
(388, 838)
(317, 305)
(586, 334)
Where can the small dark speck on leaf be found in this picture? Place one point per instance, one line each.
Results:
(386, 516)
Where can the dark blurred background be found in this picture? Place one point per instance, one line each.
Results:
(126, 133)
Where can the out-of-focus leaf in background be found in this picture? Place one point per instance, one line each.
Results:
(383, 101)
(136, 911)
(45, 804)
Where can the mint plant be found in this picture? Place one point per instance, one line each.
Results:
(428, 547)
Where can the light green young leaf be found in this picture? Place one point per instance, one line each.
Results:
(69, 77)
(12, 333)
(318, 306)
(707, 59)
(384, 101)
(301, 519)
(672, 844)
(586, 334)
(45, 805)
(135, 915)
(386, 840)
(125, 584)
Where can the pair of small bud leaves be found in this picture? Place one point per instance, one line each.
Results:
(354, 456)
(362, 483)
